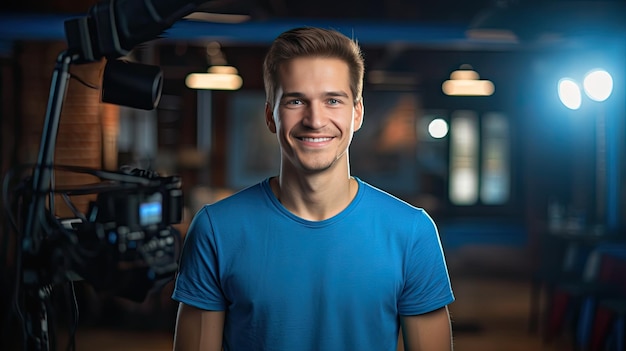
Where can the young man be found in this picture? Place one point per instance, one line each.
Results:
(313, 259)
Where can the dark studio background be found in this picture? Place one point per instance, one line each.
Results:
(560, 171)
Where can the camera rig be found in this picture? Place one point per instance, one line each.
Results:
(125, 244)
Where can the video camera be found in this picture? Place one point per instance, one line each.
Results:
(157, 202)
(123, 245)
(127, 242)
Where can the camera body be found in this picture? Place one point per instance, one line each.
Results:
(158, 202)
(127, 245)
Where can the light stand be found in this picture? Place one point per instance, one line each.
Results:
(37, 294)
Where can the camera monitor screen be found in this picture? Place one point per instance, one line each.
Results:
(151, 211)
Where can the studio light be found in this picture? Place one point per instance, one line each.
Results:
(598, 85)
(569, 93)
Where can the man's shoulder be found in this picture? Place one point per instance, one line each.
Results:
(376, 195)
(394, 214)
(250, 196)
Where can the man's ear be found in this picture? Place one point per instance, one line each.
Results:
(359, 111)
(269, 118)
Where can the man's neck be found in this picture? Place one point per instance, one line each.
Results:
(314, 197)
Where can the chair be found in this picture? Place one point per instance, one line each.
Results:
(575, 296)
(555, 264)
(615, 340)
(609, 322)
(562, 276)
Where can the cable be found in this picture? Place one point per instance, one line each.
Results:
(75, 315)
(5, 199)
(73, 208)
(16, 289)
(83, 82)
(18, 249)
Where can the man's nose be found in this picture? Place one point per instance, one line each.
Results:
(315, 116)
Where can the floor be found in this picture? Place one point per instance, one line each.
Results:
(493, 301)
(491, 312)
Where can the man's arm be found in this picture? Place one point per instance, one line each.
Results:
(427, 332)
(198, 329)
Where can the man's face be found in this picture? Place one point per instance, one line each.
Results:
(314, 114)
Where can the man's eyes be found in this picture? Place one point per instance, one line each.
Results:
(331, 101)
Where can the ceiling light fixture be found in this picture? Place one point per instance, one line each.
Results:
(466, 82)
(219, 76)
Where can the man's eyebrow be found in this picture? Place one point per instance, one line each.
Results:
(337, 93)
(301, 95)
(294, 94)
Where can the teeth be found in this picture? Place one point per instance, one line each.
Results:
(316, 140)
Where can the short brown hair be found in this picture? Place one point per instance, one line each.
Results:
(311, 42)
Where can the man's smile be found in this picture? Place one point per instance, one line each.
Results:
(316, 140)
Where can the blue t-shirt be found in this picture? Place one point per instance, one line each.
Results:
(287, 283)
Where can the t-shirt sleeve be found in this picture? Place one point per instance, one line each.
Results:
(427, 283)
(198, 278)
